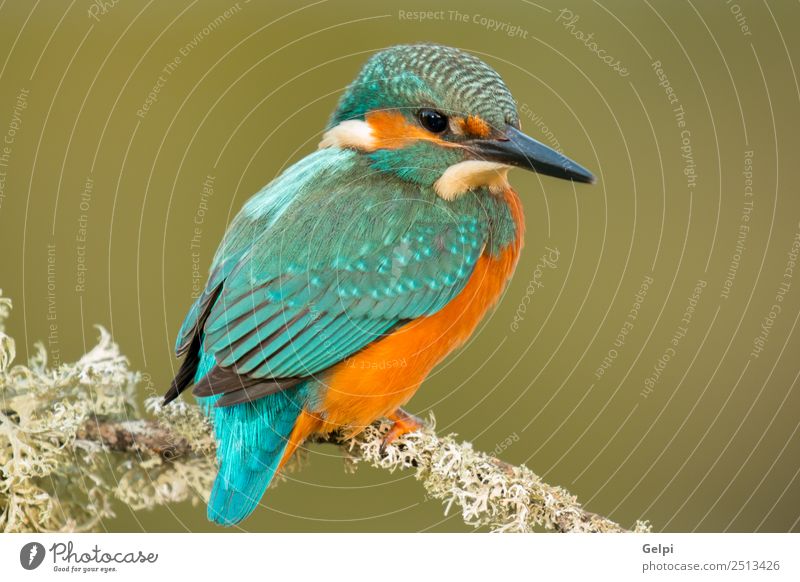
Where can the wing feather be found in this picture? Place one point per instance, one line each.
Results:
(296, 294)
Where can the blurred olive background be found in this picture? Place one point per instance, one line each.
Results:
(692, 423)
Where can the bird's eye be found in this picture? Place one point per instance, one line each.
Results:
(432, 120)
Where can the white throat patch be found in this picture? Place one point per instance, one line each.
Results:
(352, 133)
(464, 176)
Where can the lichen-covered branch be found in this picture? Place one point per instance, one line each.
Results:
(488, 492)
(72, 439)
(60, 468)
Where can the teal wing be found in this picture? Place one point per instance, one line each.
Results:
(285, 327)
(324, 261)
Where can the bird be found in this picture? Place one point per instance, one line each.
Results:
(341, 284)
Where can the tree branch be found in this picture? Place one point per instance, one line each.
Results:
(489, 492)
(72, 439)
(135, 436)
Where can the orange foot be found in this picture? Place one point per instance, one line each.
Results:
(402, 423)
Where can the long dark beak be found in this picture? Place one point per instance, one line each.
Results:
(517, 149)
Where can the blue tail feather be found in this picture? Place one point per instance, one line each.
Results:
(251, 439)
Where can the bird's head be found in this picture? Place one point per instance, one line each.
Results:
(439, 117)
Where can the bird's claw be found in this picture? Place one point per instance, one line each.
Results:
(402, 424)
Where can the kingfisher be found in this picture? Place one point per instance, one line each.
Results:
(341, 284)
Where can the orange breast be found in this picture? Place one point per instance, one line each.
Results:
(385, 375)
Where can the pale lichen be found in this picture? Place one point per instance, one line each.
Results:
(72, 440)
(53, 478)
(489, 493)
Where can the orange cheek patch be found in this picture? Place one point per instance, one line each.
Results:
(474, 126)
(391, 130)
